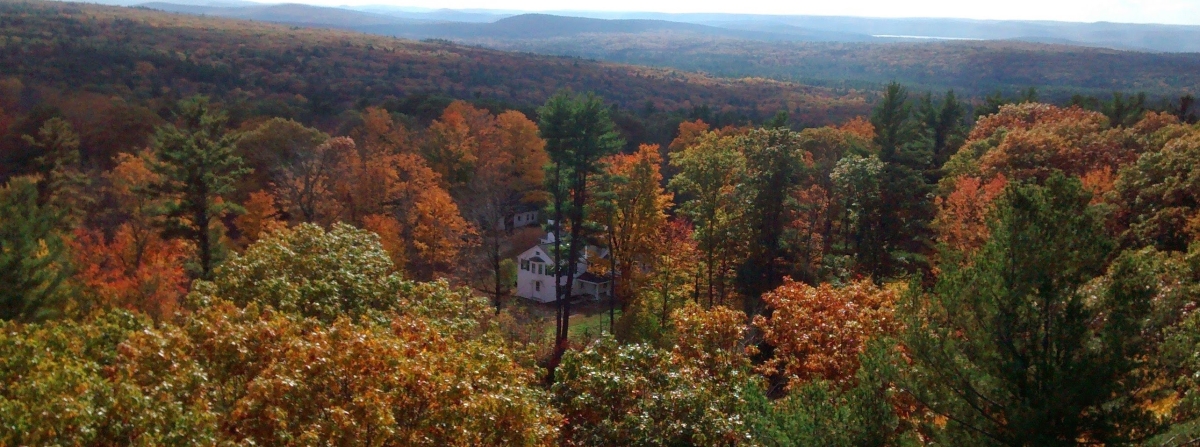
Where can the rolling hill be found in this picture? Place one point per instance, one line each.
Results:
(1123, 36)
(140, 53)
(1128, 36)
(547, 26)
(971, 56)
(290, 13)
(972, 67)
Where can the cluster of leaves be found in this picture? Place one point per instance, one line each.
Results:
(423, 370)
(818, 333)
(699, 392)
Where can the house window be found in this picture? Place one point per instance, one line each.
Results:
(537, 286)
(525, 264)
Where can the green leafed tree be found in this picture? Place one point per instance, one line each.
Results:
(709, 173)
(64, 184)
(197, 161)
(907, 207)
(311, 272)
(775, 163)
(820, 413)
(1158, 196)
(1016, 348)
(856, 184)
(700, 392)
(272, 146)
(578, 133)
(33, 257)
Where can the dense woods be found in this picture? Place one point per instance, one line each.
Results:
(974, 67)
(188, 262)
(151, 59)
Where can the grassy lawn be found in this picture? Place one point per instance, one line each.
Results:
(584, 325)
(588, 326)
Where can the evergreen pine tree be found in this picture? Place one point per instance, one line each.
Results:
(1012, 349)
(906, 208)
(578, 133)
(33, 255)
(197, 161)
(64, 184)
(943, 125)
(774, 167)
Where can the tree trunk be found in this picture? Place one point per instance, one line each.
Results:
(203, 244)
(497, 274)
(612, 279)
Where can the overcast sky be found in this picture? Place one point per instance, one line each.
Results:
(1132, 11)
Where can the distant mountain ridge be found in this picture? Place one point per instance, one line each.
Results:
(1152, 37)
(475, 24)
(308, 71)
(441, 24)
(290, 13)
(547, 26)
(1002, 56)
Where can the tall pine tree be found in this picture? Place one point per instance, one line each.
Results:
(197, 161)
(64, 185)
(578, 134)
(33, 256)
(907, 206)
(1013, 349)
(775, 163)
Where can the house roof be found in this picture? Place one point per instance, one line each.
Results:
(592, 278)
(537, 259)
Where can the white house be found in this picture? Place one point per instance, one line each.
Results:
(523, 217)
(535, 273)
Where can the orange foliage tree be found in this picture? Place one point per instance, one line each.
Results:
(687, 135)
(457, 141)
(961, 221)
(136, 268)
(1030, 142)
(712, 339)
(145, 275)
(508, 177)
(674, 274)
(819, 332)
(391, 237)
(385, 177)
(860, 127)
(631, 203)
(261, 216)
(519, 139)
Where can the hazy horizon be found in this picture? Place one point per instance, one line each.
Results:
(1166, 12)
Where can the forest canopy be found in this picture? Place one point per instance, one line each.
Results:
(194, 252)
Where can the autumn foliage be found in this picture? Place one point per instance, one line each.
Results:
(962, 215)
(421, 370)
(819, 332)
(143, 274)
(320, 250)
